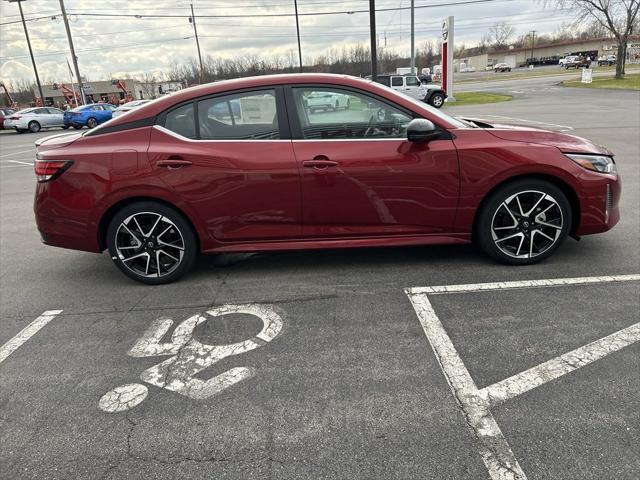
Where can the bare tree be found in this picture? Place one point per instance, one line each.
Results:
(500, 34)
(618, 17)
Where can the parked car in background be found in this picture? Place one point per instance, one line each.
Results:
(128, 107)
(35, 119)
(577, 62)
(327, 101)
(390, 171)
(410, 85)
(606, 60)
(501, 67)
(90, 115)
(5, 112)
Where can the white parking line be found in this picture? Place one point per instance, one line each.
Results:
(580, 357)
(26, 333)
(17, 153)
(475, 404)
(21, 163)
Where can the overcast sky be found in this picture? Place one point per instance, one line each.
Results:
(120, 47)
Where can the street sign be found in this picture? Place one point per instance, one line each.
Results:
(587, 75)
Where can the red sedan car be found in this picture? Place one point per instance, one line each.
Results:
(248, 165)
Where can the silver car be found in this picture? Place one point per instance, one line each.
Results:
(128, 107)
(34, 119)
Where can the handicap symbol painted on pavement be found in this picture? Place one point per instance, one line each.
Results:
(189, 357)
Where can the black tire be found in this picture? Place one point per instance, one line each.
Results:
(34, 127)
(65, 127)
(92, 122)
(19, 130)
(77, 127)
(180, 234)
(528, 227)
(436, 100)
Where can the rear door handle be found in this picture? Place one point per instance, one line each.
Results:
(173, 162)
(319, 164)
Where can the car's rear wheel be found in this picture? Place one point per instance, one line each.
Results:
(34, 127)
(437, 100)
(524, 222)
(77, 127)
(92, 123)
(151, 243)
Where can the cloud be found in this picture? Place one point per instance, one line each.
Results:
(126, 46)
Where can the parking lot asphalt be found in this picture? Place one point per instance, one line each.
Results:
(351, 383)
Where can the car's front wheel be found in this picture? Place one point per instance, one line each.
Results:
(151, 243)
(437, 100)
(523, 222)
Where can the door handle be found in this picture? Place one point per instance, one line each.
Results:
(173, 162)
(319, 164)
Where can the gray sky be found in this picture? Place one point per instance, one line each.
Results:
(109, 47)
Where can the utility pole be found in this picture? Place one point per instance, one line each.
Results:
(295, 3)
(74, 59)
(372, 28)
(26, 34)
(413, 39)
(195, 29)
(533, 41)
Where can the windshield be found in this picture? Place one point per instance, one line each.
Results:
(432, 110)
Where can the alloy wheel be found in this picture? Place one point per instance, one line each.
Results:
(527, 224)
(149, 244)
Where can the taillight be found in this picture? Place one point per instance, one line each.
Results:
(15, 117)
(47, 170)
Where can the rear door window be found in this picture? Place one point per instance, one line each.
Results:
(241, 116)
(396, 81)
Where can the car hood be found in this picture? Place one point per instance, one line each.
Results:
(527, 134)
(57, 141)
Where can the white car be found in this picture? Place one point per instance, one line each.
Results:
(568, 59)
(35, 119)
(327, 101)
(128, 107)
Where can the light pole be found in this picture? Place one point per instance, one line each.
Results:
(74, 59)
(372, 28)
(33, 61)
(295, 3)
(413, 39)
(195, 30)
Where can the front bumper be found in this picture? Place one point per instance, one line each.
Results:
(599, 204)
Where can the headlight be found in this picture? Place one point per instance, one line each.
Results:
(596, 163)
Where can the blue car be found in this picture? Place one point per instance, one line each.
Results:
(88, 115)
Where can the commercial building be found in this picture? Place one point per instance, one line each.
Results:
(112, 91)
(551, 53)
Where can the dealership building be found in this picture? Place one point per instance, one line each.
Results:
(111, 91)
(519, 57)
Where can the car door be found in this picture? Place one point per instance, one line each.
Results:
(56, 117)
(362, 177)
(230, 157)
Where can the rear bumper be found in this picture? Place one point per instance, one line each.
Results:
(63, 218)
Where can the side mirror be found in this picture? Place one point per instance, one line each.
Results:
(420, 130)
